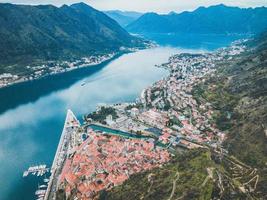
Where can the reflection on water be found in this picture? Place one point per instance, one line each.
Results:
(16, 95)
(33, 113)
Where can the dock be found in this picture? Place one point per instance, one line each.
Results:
(38, 170)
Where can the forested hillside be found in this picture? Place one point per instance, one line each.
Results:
(36, 33)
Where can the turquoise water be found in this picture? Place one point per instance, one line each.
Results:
(195, 41)
(32, 113)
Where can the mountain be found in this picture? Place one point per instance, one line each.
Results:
(35, 33)
(219, 19)
(237, 92)
(123, 17)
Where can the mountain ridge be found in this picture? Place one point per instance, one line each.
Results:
(31, 34)
(218, 19)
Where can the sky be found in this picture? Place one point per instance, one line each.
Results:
(160, 6)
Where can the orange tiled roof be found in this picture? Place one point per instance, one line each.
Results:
(101, 162)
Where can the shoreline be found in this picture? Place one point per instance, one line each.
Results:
(65, 71)
(61, 153)
(113, 56)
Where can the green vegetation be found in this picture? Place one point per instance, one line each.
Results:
(181, 178)
(222, 101)
(167, 105)
(195, 174)
(136, 105)
(100, 116)
(38, 34)
(238, 94)
(175, 121)
(241, 111)
(217, 19)
(60, 195)
(155, 93)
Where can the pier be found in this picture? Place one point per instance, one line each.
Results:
(65, 144)
(38, 170)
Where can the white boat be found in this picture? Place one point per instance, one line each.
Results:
(26, 173)
(42, 166)
(38, 173)
(43, 186)
(46, 180)
(83, 83)
(40, 192)
(31, 169)
(44, 171)
(41, 173)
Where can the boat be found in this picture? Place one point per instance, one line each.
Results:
(40, 192)
(46, 180)
(42, 186)
(26, 173)
(42, 172)
(83, 83)
(30, 169)
(42, 166)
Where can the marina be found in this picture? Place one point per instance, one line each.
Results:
(66, 143)
(40, 194)
(38, 170)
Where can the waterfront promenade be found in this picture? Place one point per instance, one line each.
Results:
(70, 127)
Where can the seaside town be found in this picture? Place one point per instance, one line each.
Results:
(56, 67)
(103, 162)
(120, 140)
(36, 72)
(167, 110)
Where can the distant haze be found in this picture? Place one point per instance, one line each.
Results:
(160, 6)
